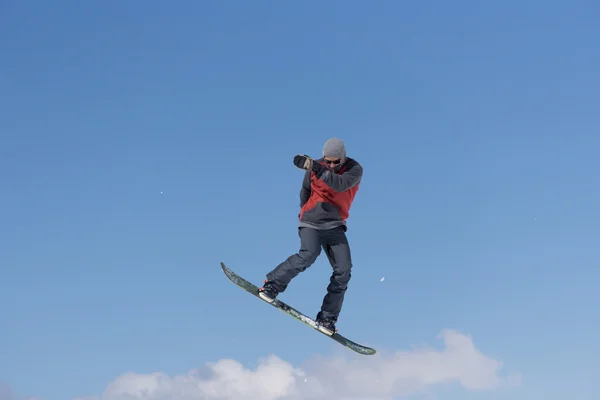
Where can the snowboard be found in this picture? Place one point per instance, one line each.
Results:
(253, 289)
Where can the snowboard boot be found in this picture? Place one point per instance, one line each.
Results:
(326, 325)
(268, 292)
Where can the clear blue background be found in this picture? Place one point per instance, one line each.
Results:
(478, 127)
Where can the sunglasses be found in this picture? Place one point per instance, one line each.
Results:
(333, 162)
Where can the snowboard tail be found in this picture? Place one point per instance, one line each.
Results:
(253, 289)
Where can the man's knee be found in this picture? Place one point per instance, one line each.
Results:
(341, 261)
(341, 264)
(342, 274)
(310, 247)
(309, 256)
(304, 258)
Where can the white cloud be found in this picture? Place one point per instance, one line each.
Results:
(6, 393)
(378, 377)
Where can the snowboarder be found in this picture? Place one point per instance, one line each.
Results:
(328, 189)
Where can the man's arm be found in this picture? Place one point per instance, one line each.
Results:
(305, 189)
(345, 181)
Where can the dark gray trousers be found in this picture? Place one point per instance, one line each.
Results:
(337, 249)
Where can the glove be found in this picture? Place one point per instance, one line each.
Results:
(307, 163)
(303, 162)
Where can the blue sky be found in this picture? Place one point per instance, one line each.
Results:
(142, 144)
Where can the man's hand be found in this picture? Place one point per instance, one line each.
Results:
(303, 162)
(307, 163)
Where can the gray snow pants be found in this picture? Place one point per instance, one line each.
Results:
(337, 249)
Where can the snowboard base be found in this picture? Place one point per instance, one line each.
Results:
(253, 289)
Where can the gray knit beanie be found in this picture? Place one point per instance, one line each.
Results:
(334, 147)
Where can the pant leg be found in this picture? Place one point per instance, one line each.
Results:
(310, 248)
(337, 248)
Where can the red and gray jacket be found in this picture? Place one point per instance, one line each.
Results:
(326, 198)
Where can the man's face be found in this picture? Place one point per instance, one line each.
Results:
(332, 162)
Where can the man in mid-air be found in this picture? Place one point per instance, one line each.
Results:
(328, 190)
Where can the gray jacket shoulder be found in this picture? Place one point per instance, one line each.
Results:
(351, 176)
